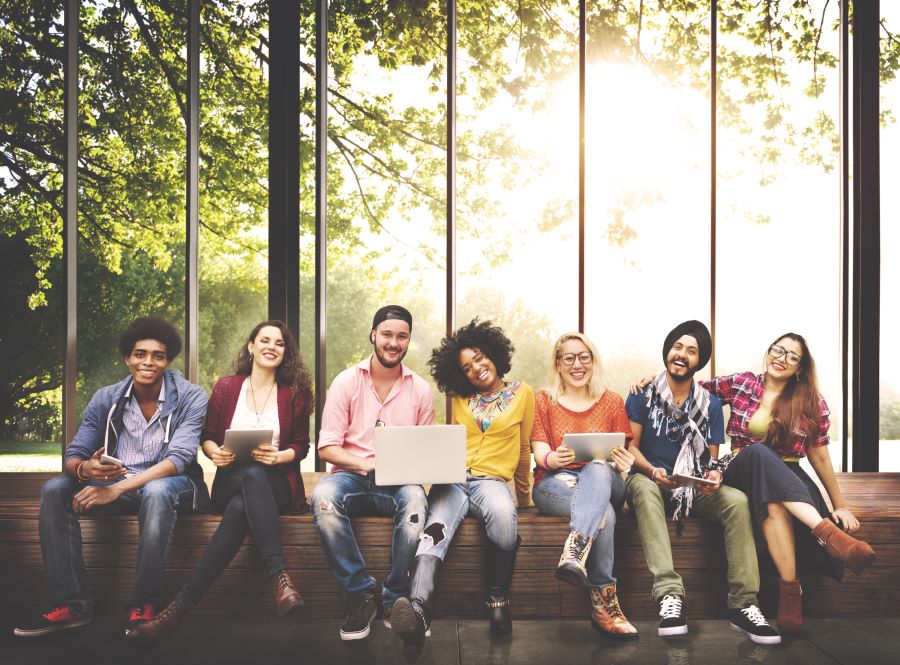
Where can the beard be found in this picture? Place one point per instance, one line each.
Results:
(389, 364)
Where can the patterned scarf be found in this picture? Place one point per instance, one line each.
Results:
(689, 462)
(486, 407)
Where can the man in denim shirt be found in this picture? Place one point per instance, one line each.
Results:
(151, 422)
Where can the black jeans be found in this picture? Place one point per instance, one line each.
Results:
(251, 495)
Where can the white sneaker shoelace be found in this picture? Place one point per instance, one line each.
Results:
(670, 607)
(754, 614)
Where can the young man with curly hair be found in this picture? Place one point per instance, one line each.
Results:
(470, 365)
(378, 391)
(151, 422)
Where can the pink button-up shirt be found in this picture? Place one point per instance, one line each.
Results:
(352, 408)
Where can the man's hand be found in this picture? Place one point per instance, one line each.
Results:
(367, 464)
(265, 453)
(94, 468)
(660, 477)
(716, 477)
(93, 496)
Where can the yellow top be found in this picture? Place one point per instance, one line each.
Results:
(759, 423)
(504, 449)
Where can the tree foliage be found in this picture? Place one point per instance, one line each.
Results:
(386, 153)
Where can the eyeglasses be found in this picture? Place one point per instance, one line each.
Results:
(568, 359)
(777, 351)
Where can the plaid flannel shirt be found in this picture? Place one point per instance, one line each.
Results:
(743, 393)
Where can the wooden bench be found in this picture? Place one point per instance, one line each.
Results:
(110, 547)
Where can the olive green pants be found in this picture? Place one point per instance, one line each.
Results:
(728, 507)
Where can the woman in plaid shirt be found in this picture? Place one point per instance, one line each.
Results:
(777, 418)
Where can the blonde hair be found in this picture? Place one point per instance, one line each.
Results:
(556, 386)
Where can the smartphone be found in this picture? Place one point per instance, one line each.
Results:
(109, 459)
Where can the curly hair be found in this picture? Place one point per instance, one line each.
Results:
(484, 336)
(150, 327)
(291, 372)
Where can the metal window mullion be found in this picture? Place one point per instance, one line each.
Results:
(845, 226)
(713, 167)
(451, 177)
(192, 202)
(582, 90)
(321, 280)
(70, 217)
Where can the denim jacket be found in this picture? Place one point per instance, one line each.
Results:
(183, 411)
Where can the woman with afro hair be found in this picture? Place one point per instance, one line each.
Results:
(470, 366)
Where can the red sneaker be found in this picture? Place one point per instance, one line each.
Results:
(58, 618)
(139, 615)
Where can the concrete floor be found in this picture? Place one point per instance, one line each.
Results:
(262, 641)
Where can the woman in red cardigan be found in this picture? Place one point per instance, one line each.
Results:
(270, 390)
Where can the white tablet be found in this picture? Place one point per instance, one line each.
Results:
(242, 441)
(691, 481)
(589, 446)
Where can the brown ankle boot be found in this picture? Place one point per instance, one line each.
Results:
(790, 608)
(857, 554)
(162, 624)
(286, 595)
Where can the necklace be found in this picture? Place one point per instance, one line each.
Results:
(259, 412)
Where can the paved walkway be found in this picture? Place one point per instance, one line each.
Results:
(262, 641)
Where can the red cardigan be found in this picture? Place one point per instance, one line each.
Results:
(293, 427)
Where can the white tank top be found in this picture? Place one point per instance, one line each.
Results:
(244, 418)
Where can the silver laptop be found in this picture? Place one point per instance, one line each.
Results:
(418, 455)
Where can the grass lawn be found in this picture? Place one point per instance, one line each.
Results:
(30, 456)
(30, 448)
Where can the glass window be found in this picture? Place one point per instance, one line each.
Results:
(889, 398)
(647, 171)
(386, 177)
(517, 175)
(131, 206)
(32, 316)
(778, 198)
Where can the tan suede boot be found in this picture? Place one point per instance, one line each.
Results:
(857, 554)
(790, 608)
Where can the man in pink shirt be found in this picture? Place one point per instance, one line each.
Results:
(378, 391)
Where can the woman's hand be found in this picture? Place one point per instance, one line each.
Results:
(846, 520)
(621, 459)
(265, 453)
(560, 457)
(221, 457)
(638, 386)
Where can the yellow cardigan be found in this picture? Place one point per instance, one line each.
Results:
(505, 448)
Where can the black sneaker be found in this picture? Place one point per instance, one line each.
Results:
(751, 622)
(674, 621)
(59, 618)
(362, 610)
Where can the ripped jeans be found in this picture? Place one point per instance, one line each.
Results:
(345, 494)
(589, 496)
(487, 499)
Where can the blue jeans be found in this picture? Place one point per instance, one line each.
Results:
(589, 496)
(156, 504)
(487, 499)
(345, 494)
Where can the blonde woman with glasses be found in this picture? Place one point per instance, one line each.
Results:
(589, 493)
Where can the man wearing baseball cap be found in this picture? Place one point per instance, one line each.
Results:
(378, 391)
(678, 428)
